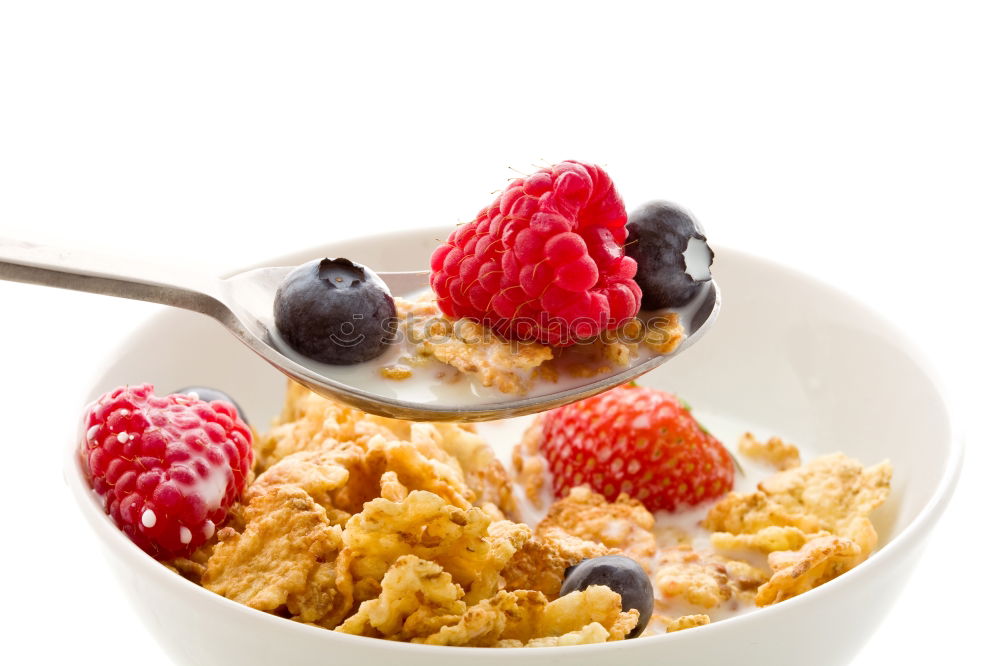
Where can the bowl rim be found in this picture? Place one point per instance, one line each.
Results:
(879, 560)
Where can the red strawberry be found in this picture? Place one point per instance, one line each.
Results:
(545, 261)
(638, 441)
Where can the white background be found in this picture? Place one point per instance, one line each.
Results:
(858, 141)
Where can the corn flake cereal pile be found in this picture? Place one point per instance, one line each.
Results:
(409, 532)
(395, 530)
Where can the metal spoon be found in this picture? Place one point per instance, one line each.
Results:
(242, 303)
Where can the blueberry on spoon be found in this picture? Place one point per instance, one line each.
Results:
(335, 311)
(672, 253)
(623, 575)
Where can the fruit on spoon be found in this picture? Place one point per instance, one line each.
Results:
(335, 311)
(673, 257)
(545, 261)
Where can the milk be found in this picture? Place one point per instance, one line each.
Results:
(441, 385)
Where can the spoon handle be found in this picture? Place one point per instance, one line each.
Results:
(32, 263)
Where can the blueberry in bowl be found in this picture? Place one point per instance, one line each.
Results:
(623, 575)
(208, 394)
(335, 311)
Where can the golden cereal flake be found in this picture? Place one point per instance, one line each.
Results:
(328, 596)
(396, 371)
(493, 511)
(663, 332)
(345, 476)
(833, 493)
(672, 624)
(313, 423)
(590, 634)
(530, 467)
(471, 348)
(417, 599)
(624, 523)
(463, 542)
(186, 567)
(594, 357)
(596, 603)
(505, 616)
(424, 305)
(705, 580)
(522, 616)
(324, 475)
(418, 472)
(774, 451)
(366, 444)
(193, 566)
(484, 473)
(687, 622)
(820, 560)
(541, 562)
(767, 540)
(429, 438)
(284, 557)
(391, 489)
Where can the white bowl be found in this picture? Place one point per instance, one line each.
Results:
(788, 354)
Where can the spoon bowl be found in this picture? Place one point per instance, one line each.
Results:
(243, 303)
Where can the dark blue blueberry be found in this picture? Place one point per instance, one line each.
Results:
(335, 311)
(623, 575)
(211, 395)
(659, 234)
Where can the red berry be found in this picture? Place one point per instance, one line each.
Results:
(167, 469)
(544, 261)
(637, 441)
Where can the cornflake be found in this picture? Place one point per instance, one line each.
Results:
(530, 466)
(417, 599)
(484, 474)
(541, 563)
(463, 542)
(820, 560)
(513, 619)
(285, 557)
(624, 524)
(471, 348)
(705, 580)
(672, 624)
(833, 493)
(323, 475)
(774, 451)
(315, 437)
(812, 520)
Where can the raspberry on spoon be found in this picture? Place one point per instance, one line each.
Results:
(545, 261)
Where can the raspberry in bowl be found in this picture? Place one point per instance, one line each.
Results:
(167, 469)
(789, 357)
